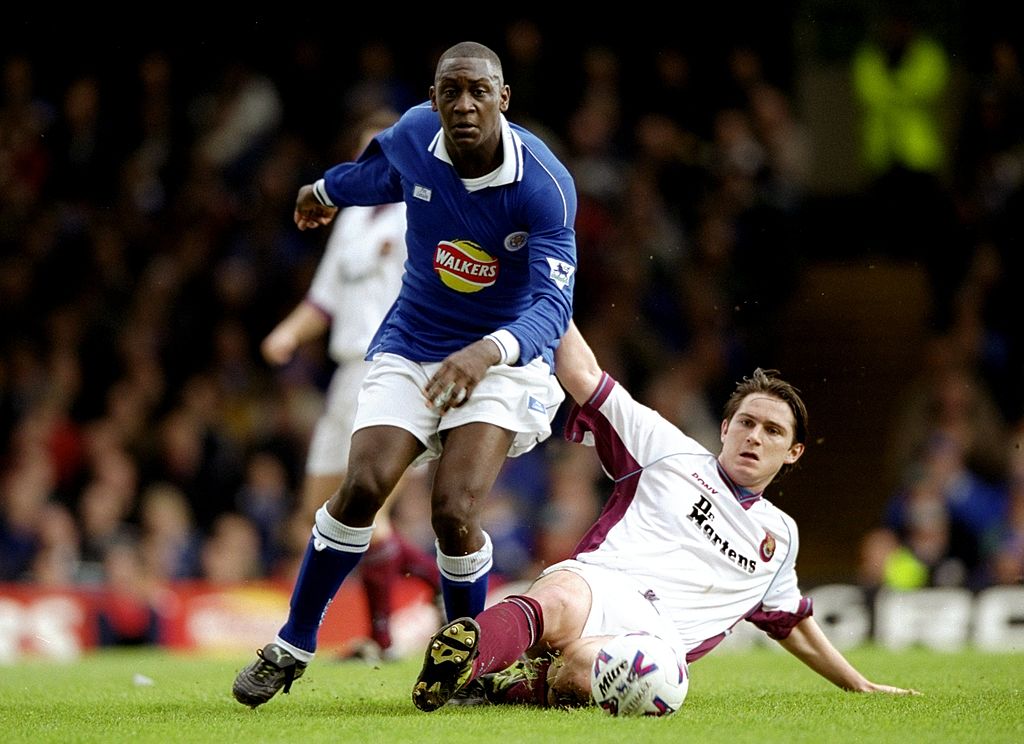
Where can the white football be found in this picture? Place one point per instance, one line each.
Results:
(638, 674)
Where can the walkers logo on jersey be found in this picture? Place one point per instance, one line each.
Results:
(767, 547)
(464, 266)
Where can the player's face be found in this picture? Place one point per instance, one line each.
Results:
(758, 440)
(469, 96)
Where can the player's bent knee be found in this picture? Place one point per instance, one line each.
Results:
(454, 518)
(565, 599)
(362, 495)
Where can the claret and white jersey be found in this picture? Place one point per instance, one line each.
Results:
(705, 552)
(355, 283)
(359, 275)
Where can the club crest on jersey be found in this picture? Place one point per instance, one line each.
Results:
(515, 241)
(464, 266)
(767, 547)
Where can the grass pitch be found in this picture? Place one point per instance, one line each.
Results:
(758, 696)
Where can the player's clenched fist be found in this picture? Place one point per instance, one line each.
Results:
(309, 212)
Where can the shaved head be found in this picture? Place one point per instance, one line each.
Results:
(471, 50)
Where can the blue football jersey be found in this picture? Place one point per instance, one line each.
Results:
(498, 257)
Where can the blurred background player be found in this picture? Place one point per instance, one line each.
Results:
(463, 365)
(355, 283)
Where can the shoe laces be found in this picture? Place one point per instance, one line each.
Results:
(521, 671)
(268, 670)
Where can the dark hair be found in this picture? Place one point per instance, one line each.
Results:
(768, 382)
(471, 50)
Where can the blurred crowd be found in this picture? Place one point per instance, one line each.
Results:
(147, 246)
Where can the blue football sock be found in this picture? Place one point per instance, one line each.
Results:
(464, 580)
(333, 551)
(320, 577)
(464, 598)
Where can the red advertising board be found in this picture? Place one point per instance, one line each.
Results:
(62, 623)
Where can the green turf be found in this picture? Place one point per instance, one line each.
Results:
(758, 696)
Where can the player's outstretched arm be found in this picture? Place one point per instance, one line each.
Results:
(576, 366)
(808, 643)
(302, 324)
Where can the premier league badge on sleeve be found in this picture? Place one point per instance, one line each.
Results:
(561, 272)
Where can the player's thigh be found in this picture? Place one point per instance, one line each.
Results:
(618, 603)
(391, 396)
(565, 600)
(380, 455)
(470, 462)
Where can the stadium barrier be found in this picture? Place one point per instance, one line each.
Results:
(63, 623)
(941, 619)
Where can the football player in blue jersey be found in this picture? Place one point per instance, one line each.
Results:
(463, 363)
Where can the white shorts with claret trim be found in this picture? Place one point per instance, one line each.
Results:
(618, 604)
(520, 399)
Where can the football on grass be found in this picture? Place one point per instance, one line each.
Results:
(638, 674)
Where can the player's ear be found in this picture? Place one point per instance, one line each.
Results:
(794, 453)
(724, 431)
(433, 100)
(505, 97)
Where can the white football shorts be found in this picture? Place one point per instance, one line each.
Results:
(618, 604)
(520, 399)
(331, 441)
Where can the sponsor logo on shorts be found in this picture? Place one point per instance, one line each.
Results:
(421, 192)
(536, 405)
(464, 266)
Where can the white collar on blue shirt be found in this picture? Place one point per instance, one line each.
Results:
(510, 170)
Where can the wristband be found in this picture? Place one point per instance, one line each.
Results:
(507, 345)
(320, 192)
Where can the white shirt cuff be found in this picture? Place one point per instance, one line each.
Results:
(320, 192)
(507, 345)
